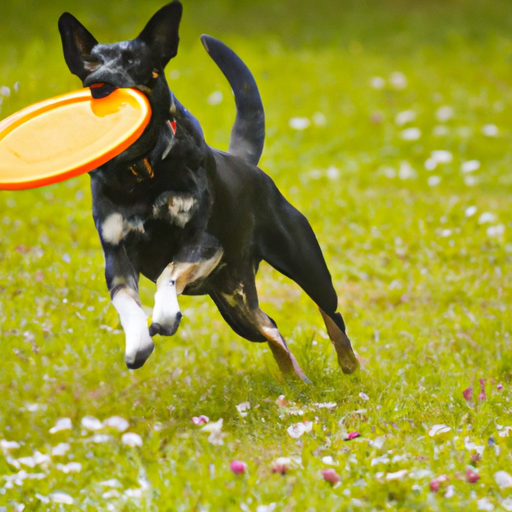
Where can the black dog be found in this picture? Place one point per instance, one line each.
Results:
(190, 218)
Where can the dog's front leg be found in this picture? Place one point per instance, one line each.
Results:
(171, 283)
(122, 282)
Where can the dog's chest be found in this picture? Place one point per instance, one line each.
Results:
(176, 208)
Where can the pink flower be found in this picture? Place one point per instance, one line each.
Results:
(499, 387)
(238, 467)
(281, 402)
(482, 396)
(472, 476)
(468, 394)
(330, 476)
(200, 420)
(435, 484)
(352, 435)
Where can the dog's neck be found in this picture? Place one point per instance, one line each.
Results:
(171, 132)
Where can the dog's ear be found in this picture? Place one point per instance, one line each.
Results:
(77, 43)
(161, 32)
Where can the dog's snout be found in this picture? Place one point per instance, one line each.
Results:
(101, 90)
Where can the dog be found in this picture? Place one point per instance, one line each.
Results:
(192, 219)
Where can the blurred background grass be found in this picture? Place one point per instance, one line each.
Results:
(420, 257)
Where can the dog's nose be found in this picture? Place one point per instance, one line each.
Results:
(140, 358)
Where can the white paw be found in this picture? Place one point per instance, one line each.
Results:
(139, 344)
(166, 313)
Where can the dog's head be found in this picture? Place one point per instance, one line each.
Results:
(136, 63)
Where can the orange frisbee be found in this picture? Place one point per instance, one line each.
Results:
(63, 137)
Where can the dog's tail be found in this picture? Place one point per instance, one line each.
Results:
(248, 133)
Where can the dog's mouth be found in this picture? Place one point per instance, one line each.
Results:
(101, 90)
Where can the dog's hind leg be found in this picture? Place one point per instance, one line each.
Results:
(241, 311)
(289, 244)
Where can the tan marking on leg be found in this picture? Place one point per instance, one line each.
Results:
(346, 357)
(284, 358)
(186, 273)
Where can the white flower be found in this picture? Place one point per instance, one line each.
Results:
(377, 82)
(131, 439)
(111, 494)
(411, 134)
(33, 407)
(297, 429)
(111, 483)
(299, 123)
(378, 442)
(418, 474)
(133, 493)
(100, 438)
(507, 504)
(450, 491)
(266, 508)
(470, 166)
(243, 408)
(503, 479)
(62, 424)
(470, 181)
(433, 181)
(484, 504)
(9, 445)
(215, 98)
(72, 467)
(5, 91)
(36, 460)
(430, 164)
(326, 405)
(439, 430)
(60, 449)
(333, 173)
(495, 231)
(445, 233)
(379, 460)
(364, 396)
(60, 497)
(472, 447)
(406, 116)
(444, 113)
(328, 460)
(505, 432)
(216, 435)
(441, 156)
(486, 217)
(398, 80)
(116, 422)
(470, 211)
(91, 423)
(397, 475)
(490, 130)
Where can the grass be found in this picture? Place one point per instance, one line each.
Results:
(421, 260)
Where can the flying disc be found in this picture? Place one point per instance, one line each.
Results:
(63, 137)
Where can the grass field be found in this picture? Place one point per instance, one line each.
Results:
(388, 125)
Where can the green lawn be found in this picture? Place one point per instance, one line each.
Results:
(419, 245)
